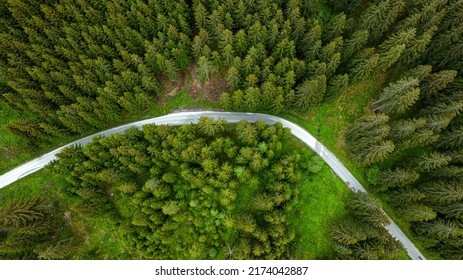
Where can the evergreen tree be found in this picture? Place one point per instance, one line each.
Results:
(440, 229)
(438, 81)
(430, 161)
(398, 177)
(443, 191)
(310, 92)
(388, 58)
(335, 27)
(375, 153)
(399, 96)
(365, 67)
(401, 38)
(354, 44)
(417, 213)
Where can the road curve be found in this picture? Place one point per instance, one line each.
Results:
(232, 117)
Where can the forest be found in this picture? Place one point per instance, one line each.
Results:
(68, 68)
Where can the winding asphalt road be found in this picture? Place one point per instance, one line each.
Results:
(193, 117)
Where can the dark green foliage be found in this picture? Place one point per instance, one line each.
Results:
(367, 139)
(398, 177)
(398, 96)
(438, 81)
(379, 17)
(33, 229)
(364, 237)
(78, 66)
(417, 213)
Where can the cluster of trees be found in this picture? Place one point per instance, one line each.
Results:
(34, 229)
(417, 147)
(361, 235)
(80, 65)
(415, 132)
(202, 191)
(272, 53)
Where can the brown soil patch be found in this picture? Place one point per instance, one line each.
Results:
(341, 143)
(173, 91)
(210, 91)
(214, 88)
(67, 218)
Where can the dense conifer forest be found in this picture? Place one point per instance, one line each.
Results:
(71, 67)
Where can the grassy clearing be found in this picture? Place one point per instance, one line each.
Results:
(332, 117)
(319, 205)
(41, 183)
(328, 120)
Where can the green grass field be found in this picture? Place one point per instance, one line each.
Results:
(320, 204)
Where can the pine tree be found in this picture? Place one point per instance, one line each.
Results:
(399, 96)
(205, 69)
(29, 129)
(375, 153)
(309, 92)
(390, 57)
(443, 191)
(417, 213)
(402, 38)
(338, 84)
(347, 234)
(367, 130)
(417, 46)
(335, 27)
(311, 42)
(430, 161)
(438, 81)
(365, 67)
(368, 210)
(403, 129)
(453, 210)
(56, 251)
(20, 213)
(419, 72)
(440, 229)
(409, 195)
(398, 177)
(200, 44)
(379, 17)
(452, 138)
(354, 44)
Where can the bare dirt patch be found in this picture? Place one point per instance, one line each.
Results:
(341, 143)
(210, 91)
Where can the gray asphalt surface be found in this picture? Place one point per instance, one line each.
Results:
(193, 117)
